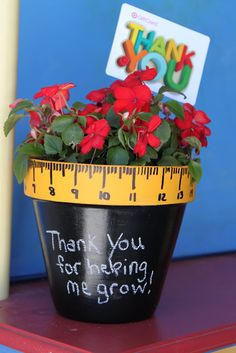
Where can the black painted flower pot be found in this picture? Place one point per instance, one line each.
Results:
(107, 264)
(107, 252)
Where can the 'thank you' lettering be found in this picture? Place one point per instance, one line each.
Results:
(127, 275)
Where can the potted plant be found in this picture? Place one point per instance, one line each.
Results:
(109, 181)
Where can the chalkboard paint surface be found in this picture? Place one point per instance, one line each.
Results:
(107, 264)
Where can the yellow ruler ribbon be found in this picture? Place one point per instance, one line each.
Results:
(108, 185)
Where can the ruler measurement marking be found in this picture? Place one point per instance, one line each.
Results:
(132, 196)
(75, 175)
(33, 172)
(104, 177)
(162, 179)
(120, 172)
(50, 170)
(180, 178)
(133, 179)
(63, 170)
(90, 172)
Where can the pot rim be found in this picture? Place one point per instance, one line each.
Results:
(114, 185)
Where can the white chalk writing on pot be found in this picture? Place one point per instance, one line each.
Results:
(123, 275)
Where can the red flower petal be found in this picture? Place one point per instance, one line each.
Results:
(123, 105)
(102, 127)
(35, 119)
(207, 131)
(201, 117)
(114, 85)
(90, 108)
(86, 145)
(153, 140)
(140, 148)
(143, 93)
(148, 74)
(189, 108)
(186, 123)
(154, 122)
(98, 142)
(97, 95)
(66, 86)
(124, 93)
(47, 91)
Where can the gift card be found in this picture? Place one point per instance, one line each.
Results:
(144, 39)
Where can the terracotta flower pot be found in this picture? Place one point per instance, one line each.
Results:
(107, 263)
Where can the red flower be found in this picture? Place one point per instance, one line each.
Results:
(135, 79)
(193, 124)
(96, 132)
(35, 119)
(56, 96)
(95, 108)
(128, 99)
(146, 136)
(98, 95)
(89, 109)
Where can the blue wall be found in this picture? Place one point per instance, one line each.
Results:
(63, 41)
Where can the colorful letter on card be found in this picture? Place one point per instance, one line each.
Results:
(143, 39)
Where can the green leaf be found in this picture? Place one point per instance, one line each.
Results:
(168, 160)
(117, 155)
(168, 151)
(181, 157)
(163, 132)
(11, 122)
(97, 116)
(78, 105)
(164, 89)
(52, 144)
(175, 108)
(155, 109)
(112, 118)
(193, 142)
(121, 137)
(23, 105)
(132, 140)
(72, 135)
(195, 170)
(62, 122)
(158, 98)
(20, 167)
(151, 153)
(113, 141)
(139, 161)
(33, 149)
(72, 158)
(82, 120)
(145, 116)
(110, 99)
(174, 142)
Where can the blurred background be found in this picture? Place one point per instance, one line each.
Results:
(62, 41)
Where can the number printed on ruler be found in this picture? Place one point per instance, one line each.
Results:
(109, 185)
